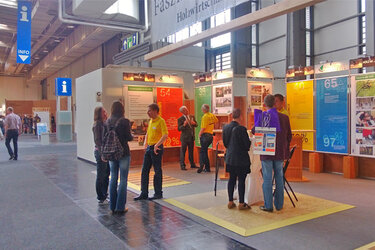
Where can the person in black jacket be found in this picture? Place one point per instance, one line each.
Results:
(122, 127)
(102, 167)
(237, 142)
(187, 124)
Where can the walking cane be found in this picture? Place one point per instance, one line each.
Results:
(216, 166)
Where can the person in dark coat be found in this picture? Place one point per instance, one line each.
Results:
(187, 124)
(275, 162)
(236, 141)
(102, 167)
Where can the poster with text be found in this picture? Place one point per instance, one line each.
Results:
(222, 101)
(300, 105)
(363, 115)
(332, 115)
(138, 99)
(202, 96)
(257, 91)
(169, 101)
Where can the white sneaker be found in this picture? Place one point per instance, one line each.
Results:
(103, 202)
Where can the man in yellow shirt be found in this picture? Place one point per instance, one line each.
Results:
(279, 104)
(157, 133)
(206, 137)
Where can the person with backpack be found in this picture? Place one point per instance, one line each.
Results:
(157, 133)
(116, 149)
(102, 167)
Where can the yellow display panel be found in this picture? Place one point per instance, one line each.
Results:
(300, 105)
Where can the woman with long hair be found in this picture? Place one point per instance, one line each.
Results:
(102, 167)
(117, 194)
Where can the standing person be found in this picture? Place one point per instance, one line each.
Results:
(24, 124)
(187, 124)
(30, 124)
(206, 137)
(36, 121)
(121, 125)
(157, 133)
(53, 123)
(237, 142)
(280, 104)
(13, 128)
(2, 124)
(102, 167)
(275, 163)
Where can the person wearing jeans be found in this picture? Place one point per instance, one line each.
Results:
(274, 162)
(206, 137)
(152, 159)
(157, 133)
(13, 128)
(118, 193)
(102, 167)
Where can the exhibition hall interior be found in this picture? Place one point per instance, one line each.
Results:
(187, 124)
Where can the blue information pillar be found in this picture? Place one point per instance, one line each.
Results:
(24, 32)
(64, 132)
(332, 115)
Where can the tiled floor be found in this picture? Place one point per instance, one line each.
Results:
(147, 225)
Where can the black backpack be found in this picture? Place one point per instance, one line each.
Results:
(112, 149)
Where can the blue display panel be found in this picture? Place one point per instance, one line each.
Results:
(332, 115)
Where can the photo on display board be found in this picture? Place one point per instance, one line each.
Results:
(256, 89)
(223, 99)
(368, 150)
(365, 136)
(365, 103)
(366, 88)
(139, 126)
(256, 100)
(365, 119)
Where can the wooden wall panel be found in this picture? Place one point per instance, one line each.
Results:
(332, 163)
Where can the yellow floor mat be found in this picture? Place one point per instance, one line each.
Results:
(134, 181)
(255, 221)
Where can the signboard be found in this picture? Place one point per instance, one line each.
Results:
(259, 73)
(222, 101)
(202, 96)
(130, 41)
(141, 77)
(24, 32)
(257, 91)
(332, 115)
(265, 141)
(331, 67)
(63, 87)
(300, 105)
(169, 101)
(168, 17)
(363, 115)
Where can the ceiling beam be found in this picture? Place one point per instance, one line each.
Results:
(275, 10)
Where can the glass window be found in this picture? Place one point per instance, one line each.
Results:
(217, 20)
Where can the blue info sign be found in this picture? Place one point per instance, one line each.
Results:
(24, 32)
(63, 87)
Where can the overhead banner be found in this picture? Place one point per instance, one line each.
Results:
(332, 115)
(300, 104)
(363, 115)
(169, 101)
(170, 16)
(24, 32)
(202, 96)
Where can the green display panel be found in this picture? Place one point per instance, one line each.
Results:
(202, 96)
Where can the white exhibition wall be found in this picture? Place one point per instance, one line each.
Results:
(87, 87)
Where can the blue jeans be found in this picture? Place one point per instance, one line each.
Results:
(102, 177)
(277, 167)
(151, 159)
(206, 140)
(118, 197)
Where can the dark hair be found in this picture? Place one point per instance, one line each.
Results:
(98, 114)
(117, 109)
(281, 97)
(362, 116)
(269, 101)
(236, 113)
(154, 107)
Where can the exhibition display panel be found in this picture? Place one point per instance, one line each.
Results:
(363, 115)
(300, 105)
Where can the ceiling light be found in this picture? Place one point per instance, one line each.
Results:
(5, 26)
(8, 3)
(57, 40)
(70, 26)
(45, 51)
(2, 44)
